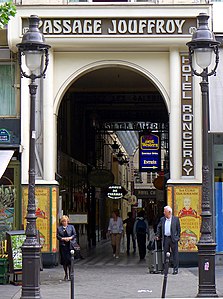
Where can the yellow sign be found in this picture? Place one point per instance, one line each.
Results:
(42, 196)
(187, 206)
(54, 219)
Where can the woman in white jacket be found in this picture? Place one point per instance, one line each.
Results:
(115, 229)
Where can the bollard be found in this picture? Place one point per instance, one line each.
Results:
(72, 274)
(166, 269)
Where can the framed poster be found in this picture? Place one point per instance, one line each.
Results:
(187, 206)
(43, 221)
(15, 239)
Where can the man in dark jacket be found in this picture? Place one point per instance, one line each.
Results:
(129, 232)
(140, 230)
(168, 230)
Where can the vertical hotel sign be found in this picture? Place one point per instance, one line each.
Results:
(187, 117)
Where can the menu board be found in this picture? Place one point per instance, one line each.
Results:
(15, 240)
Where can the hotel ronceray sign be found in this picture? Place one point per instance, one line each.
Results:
(187, 117)
(115, 26)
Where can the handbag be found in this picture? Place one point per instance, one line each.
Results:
(74, 245)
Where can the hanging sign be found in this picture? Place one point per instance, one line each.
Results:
(149, 153)
(115, 192)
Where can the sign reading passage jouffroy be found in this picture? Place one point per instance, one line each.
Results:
(115, 26)
(149, 153)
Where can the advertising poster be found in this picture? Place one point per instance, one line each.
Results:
(16, 243)
(187, 206)
(42, 195)
(54, 219)
(15, 240)
(170, 195)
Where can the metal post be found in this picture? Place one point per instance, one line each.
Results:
(206, 245)
(166, 269)
(202, 45)
(72, 275)
(31, 246)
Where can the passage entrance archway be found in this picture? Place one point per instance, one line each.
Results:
(102, 96)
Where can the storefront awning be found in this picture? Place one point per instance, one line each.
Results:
(5, 157)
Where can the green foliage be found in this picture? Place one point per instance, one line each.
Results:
(7, 10)
(7, 199)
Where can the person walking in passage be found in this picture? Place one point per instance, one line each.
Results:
(129, 232)
(66, 235)
(140, 230)
(168, 230)
(115, 230)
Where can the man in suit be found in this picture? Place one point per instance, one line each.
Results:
(168, 230)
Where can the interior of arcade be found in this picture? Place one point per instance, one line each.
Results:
(100, 119)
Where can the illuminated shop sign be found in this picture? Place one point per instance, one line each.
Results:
(115, 192)
(149, 153)
(115, 26)
(187, 118)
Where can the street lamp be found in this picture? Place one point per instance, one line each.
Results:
(204, 47)
(35, 50)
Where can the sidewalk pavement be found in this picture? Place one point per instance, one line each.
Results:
(100, 276)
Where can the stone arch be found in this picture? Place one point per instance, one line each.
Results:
(105, 64)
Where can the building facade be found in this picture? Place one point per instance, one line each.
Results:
(108, 62)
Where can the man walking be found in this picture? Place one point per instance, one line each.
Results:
(140, 231)
(168, 230)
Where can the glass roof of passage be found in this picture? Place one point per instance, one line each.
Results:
(129, 140)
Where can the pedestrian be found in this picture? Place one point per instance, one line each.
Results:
(168, 230)
(66, 235)
(129, 232)
(140, 231)
(115, 230)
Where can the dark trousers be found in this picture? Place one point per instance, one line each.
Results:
(169, 244)
(141, 240)
(128, 242)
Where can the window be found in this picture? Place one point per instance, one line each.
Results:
(7, 92)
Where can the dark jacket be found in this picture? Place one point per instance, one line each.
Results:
(129, 225)
(68, 232)
(175, 229)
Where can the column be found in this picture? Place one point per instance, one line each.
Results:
(49, 130)
(25, 117)
(175, 116)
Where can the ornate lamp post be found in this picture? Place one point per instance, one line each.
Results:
(204, 47)
(35, 50)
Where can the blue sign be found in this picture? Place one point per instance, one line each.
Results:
(4, 135)
(149, 153)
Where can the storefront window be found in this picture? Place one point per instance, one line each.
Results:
(7, 92)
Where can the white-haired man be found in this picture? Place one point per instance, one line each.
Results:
(168, 230)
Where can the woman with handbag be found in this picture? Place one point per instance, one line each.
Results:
(66, 234)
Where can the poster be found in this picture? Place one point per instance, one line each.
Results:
(42, 195)
(15, 240)
(54, 219)
(187, 206)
